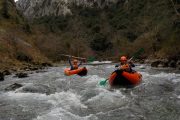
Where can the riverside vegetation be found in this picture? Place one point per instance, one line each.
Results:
(99, 31)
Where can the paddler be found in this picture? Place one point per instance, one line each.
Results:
(74, 63)
(125, 65)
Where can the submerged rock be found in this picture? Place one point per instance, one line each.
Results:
(172, 64)
(46, 64)
(6, 72)
(21, 75)
(38, 88)
(13, 87)
(155, 63)
(164, 63)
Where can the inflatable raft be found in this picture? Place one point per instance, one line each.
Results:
(126, 79)
(79, 71)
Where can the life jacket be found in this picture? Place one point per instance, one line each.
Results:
(125, 67)
(75, 67)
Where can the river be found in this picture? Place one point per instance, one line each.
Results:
(51, 95)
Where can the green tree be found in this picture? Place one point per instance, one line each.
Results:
(100, 43)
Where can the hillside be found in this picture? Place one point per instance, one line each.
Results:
(104, 28)
(16, 47)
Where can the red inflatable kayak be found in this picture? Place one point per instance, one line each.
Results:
(79, 71)
(122, 78)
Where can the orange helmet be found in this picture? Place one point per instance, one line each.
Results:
(123, 58)
(75, 61)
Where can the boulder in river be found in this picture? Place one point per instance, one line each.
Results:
(164, 63)
(1, 76)
(21, 75)
(13, 87)
(37, 88)
(6, 72)
(155, 63)
(46, 64)
(172, 64)
(178, 64)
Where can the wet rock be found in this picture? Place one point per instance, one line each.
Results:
(6, 72)
(1, 76)
(155, 63)
(13, 87)
(165, 63)
(37, 89)
(142, 61)
(160, 63)
(142, 67)
(178, 64)
(41, 71)
(172, 64)
(45, 64)
(21, 75)
(33, 68)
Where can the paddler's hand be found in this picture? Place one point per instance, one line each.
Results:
(124, 67)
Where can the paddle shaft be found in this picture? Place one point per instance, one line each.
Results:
(72, 56)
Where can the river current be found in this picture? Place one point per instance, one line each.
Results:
(51, 95)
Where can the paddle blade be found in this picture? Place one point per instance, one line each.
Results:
(103, 82)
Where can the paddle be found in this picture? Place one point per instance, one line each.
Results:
(81, 58)
(72, 56)
(103, 82)
(136, 54)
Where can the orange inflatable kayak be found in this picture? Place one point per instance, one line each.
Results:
(122, 78)
(79, 71)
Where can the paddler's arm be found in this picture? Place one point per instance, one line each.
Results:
(70, 63)
(80, 63)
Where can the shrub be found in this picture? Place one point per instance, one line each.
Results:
(100, 43)
(23, 57)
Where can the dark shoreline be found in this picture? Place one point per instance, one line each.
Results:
(22, 71)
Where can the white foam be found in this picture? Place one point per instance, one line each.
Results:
(169, 76)
(107, 98)
(145, 74)
(142, 66)
(66, 100)
(61, 114)
(110, 67)
(176, 80)
(94, 79)
(25, 96)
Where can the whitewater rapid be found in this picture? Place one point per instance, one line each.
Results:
(51, 95)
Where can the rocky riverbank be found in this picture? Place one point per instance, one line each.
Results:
(22, 70)
(168, 62)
